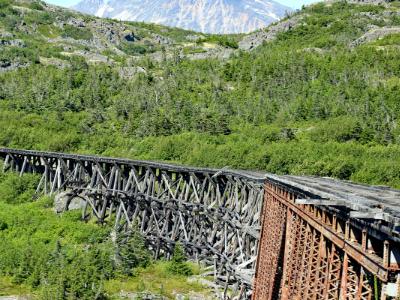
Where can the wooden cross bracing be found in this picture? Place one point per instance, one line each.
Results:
(214, 216)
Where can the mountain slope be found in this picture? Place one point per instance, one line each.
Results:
(37, 32)
(209, 16)
(315, 94)
(318, 93)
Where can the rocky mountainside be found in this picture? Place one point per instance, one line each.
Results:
(34, 32)
(209, 16)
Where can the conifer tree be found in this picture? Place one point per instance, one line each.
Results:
(178, 264)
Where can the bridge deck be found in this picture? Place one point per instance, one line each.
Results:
(254, 175)
(376, 202)
(382, 197)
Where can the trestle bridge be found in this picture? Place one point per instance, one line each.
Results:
(263, 236)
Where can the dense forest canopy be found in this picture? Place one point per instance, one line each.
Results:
(309, 102)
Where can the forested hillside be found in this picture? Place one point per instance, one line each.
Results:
(320, 98)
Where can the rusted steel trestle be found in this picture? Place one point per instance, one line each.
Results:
(311, 252)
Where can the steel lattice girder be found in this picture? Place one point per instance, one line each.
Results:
(317, 262)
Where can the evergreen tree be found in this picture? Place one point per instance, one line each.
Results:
(178, 264)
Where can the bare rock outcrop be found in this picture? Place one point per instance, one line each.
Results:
(52, 61)
(194, 37)
(130, 72)
(14, 43)
(219, 53)
(6, 35)
(378, 2)
(109, 31)
(65, 201)
(386, 16)
(162, 40)
(7, 65)
(375, 34)
(268, 34)
(76, 22)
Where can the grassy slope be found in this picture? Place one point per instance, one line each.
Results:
(306, 103)
(158, 280)
(8, 287)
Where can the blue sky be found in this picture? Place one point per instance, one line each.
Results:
(291, 3)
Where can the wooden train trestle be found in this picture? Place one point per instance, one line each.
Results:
(214, 214)
(307, 252)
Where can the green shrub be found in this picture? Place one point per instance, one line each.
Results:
(76, 33)
(342, 129)
(5, 3)
(228, 41)
(22, 55)
(49, 31)
(391, 39)
(40, 17)
(36, 5)
(135, 49)
(178, 265)
(130, 252)
(285, 107)
(193, 50)
(15, 189)
(9, 20)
